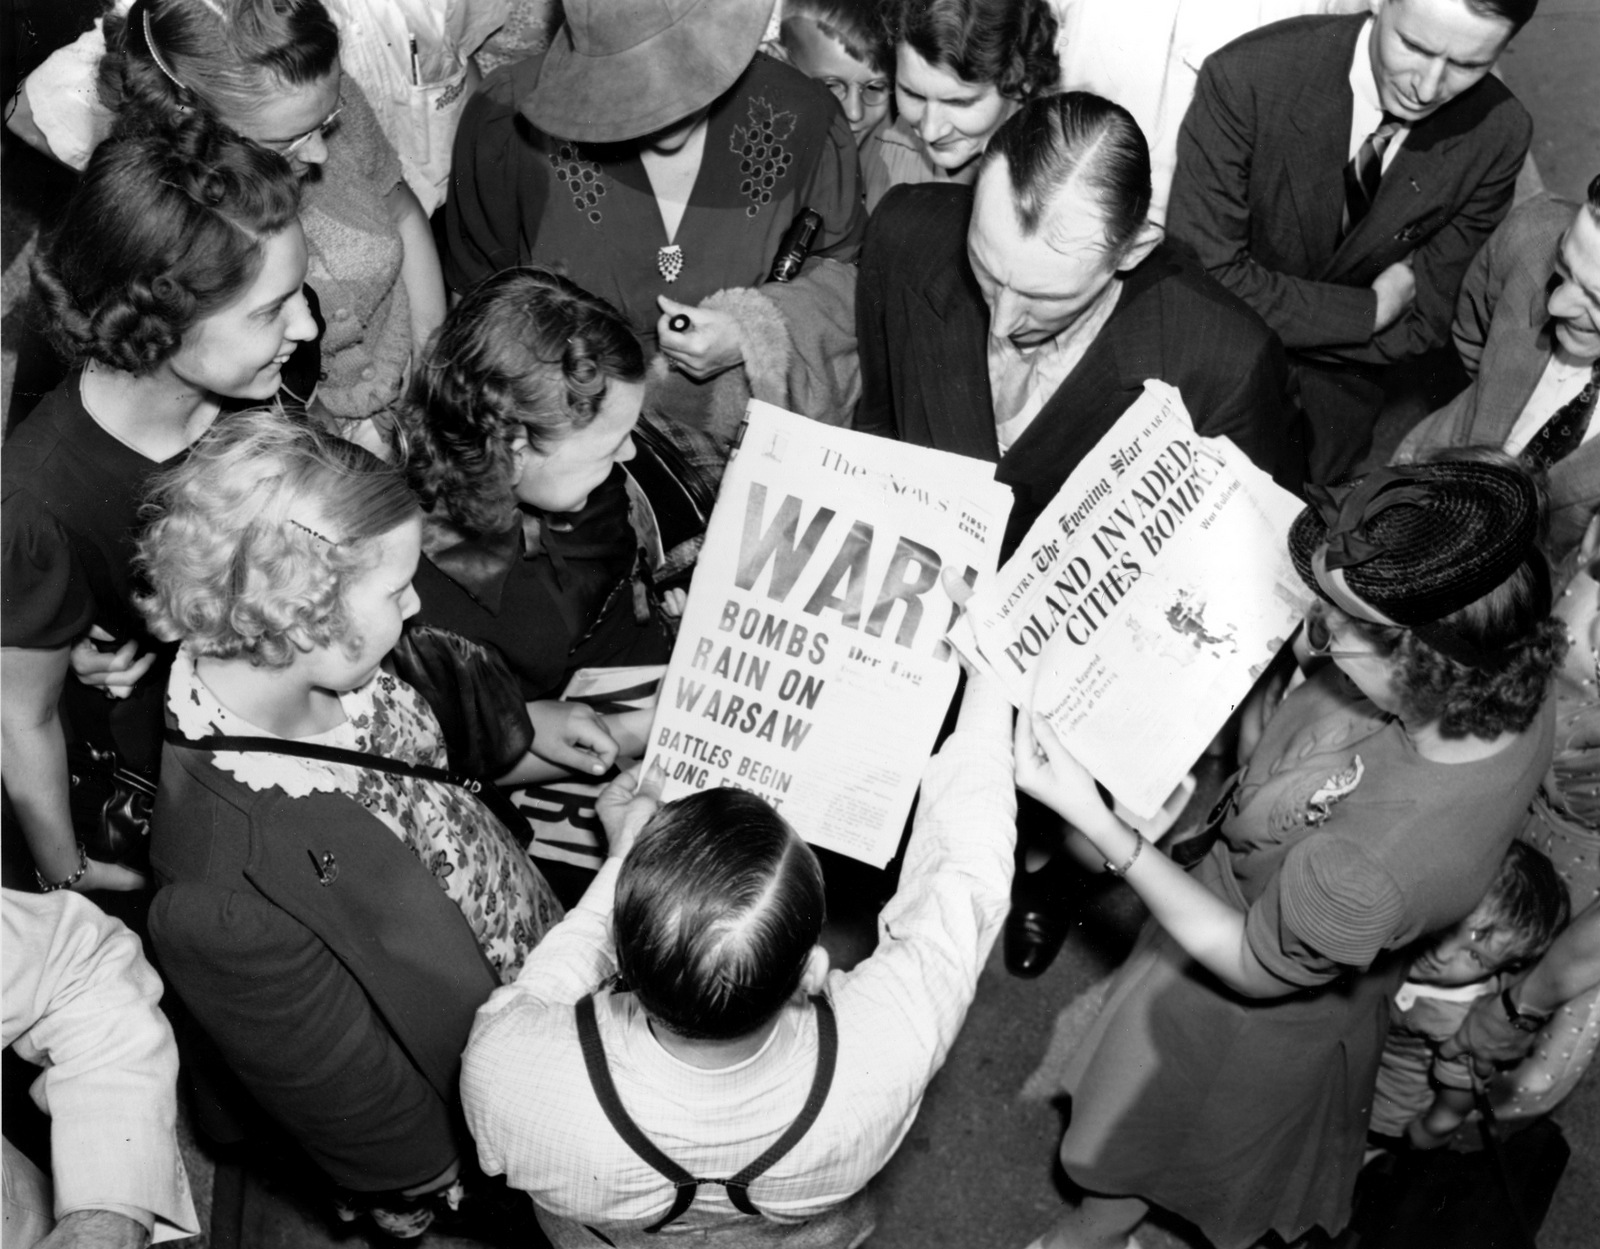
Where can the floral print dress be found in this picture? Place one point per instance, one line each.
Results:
(506, 902)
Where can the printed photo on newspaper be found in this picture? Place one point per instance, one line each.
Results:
(1145, 601)
(811, 665)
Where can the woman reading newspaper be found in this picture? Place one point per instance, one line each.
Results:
(1228, 1077)
(522, 416)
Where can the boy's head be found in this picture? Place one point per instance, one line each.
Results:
(719, 908)
(1514, 924)
(845, 45)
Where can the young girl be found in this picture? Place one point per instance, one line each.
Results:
(174, 285)
(961, 68)
(332, 922)
(522, 417)
(843, 44)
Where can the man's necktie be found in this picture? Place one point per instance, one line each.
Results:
(1365, 171)
(1563, 433)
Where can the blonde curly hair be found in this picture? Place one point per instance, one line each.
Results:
(255, 536)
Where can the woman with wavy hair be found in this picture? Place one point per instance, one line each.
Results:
(333, 906)
(173, 284)
(1229, 1077)
(522, 417)
(269, 69)
(961, 68)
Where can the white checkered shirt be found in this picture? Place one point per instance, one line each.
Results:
(536, 1119)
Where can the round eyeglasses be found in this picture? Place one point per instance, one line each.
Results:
(288, 147)
(872, 93)
(1319, 641)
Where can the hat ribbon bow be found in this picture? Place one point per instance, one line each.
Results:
(1349, 510)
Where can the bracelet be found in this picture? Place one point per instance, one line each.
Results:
(1132, 859)
(1521, 1020)
(50, 886)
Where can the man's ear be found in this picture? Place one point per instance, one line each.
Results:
(815, 975)
(1144, 242)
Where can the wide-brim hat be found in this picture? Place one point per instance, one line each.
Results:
(1410, 545)
(622, 69)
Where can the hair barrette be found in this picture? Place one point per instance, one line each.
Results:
(320, 536)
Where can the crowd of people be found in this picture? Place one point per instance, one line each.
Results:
(372, 359)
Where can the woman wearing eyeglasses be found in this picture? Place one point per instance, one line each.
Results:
(270, 70)
(1229, 1078)
(961, 68)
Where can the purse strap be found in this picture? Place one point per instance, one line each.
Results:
(1493, 1146)
(328, 754)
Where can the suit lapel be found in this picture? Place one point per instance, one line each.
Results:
(949, 324)
(1505, 388)
(1069, 413)
(1419, 179)
(1321, 115)
(1577, 477)
(1076, 417)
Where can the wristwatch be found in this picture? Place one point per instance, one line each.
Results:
(1521, 1020)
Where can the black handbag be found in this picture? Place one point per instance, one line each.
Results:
(1493, 1198)
(473, 693)
(678, 470)
(110, 805)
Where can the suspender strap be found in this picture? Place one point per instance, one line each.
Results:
(594, 1059)
(328, 754)
(821, 1082)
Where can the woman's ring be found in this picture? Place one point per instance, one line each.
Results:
(679, 322)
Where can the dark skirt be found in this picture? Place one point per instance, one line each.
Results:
(1241, 1116)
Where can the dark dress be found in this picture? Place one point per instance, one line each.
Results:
(562, 602)
(71, 521)
(1341, 845)
(776, 142)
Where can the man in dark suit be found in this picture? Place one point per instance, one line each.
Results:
(1338, 175)
(1017, 320)
(1528, 330)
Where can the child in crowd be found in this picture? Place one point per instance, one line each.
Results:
(1422, 1096)
(845, 46)
(282, 559)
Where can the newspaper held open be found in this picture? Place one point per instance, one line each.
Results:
(1145, 601)
(811, 665)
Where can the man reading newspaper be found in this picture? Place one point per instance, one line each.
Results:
(677, 1052)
